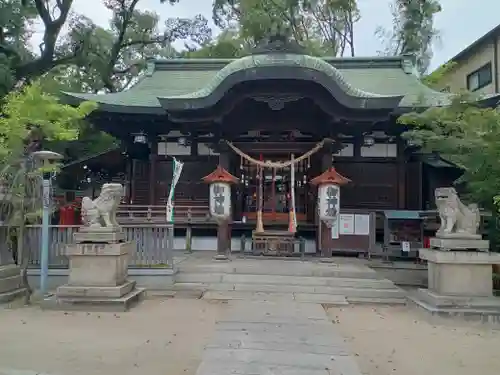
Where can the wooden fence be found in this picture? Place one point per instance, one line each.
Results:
(183, 214)
(154, 244)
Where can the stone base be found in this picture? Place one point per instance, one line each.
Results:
(455, 244)
(95, 298)
(120, 304)
(71, 291)
(222, 257)
(10, 283)
(483, 309)
(98, 265)
(460, 273)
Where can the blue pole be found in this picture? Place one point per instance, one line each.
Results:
(44, 258)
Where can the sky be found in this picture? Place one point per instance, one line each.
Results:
(460, 23)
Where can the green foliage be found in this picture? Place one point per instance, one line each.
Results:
(324, 26)
(32, 113)
(412, 31)
(434, 79)
(465, 134)
(88, 57)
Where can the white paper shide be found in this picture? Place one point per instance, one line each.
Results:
(329, 203)
(220, 200)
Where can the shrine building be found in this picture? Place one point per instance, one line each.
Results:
(275, 106)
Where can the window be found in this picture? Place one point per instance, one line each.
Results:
(480, 78)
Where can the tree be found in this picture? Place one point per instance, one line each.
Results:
(466, 134)
(227, 45)
(323, 26)
(28, 118)
(412, 31)
(110, 58)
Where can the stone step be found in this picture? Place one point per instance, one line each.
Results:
(327, 299)
(273, 288)
(210, 278)
(10, 283)
(283, 268)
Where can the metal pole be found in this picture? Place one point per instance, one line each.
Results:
(44, 258)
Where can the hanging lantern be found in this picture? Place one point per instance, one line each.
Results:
(329, 183)
(220, 182)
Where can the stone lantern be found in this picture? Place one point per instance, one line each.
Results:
(220, 181)
(329, 183)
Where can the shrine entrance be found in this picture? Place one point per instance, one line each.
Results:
(276, 190)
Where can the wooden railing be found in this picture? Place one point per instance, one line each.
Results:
(128, 214)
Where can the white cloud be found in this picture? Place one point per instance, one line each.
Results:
(460, 23)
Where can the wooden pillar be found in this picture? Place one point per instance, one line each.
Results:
(153, 157)
(401, 168)
(224, 227)
(327, 157)
(132, 177)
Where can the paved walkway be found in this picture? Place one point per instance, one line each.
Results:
(271, 338)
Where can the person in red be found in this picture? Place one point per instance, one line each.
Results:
(67, 214)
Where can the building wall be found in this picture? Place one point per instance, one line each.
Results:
(456, 80)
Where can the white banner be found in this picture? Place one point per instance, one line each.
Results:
(292, 191)
(175, 179)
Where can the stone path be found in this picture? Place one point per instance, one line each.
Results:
(271, 338)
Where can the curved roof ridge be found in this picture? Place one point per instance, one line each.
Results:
(256, 61)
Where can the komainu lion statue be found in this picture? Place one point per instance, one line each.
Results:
(457, 219)
(101, 212)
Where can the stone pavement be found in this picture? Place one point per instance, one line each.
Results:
(270, 338)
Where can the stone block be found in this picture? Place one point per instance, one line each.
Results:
(9, 271)
(98, 265)
(450, 244)
(70, 291)
(10, 283)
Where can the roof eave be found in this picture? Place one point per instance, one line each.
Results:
(75, 99)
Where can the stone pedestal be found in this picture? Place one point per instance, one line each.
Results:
(460, 283)
(98, 270)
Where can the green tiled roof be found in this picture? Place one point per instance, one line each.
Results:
(376, 77)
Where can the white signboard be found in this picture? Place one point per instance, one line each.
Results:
(335, 230)
(220, 200)
(346, 224)
(405, 246)
(362, 225)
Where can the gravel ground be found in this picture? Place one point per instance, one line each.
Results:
(403, 341)
(157, 337)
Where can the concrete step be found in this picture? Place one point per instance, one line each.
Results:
(301, 289)
(210, 278)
